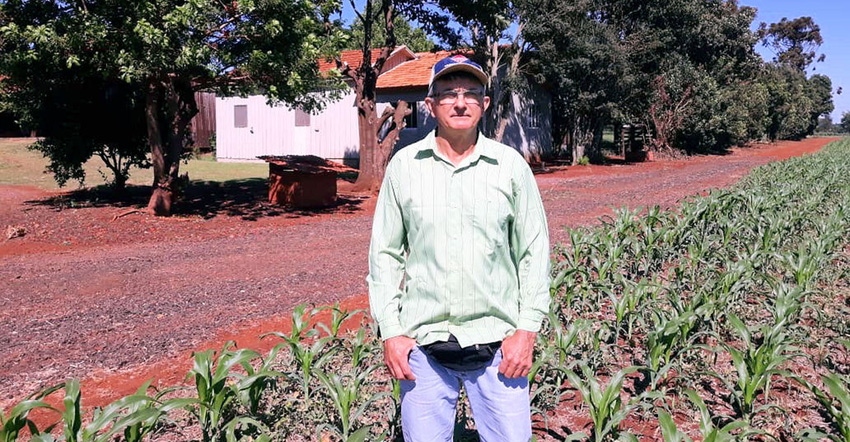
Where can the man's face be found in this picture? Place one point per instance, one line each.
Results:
(457, 104)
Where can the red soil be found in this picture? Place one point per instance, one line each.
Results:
(118, 302)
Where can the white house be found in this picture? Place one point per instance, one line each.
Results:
(247, 127)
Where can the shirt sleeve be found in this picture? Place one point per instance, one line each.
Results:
(387, 260)
(530, 245)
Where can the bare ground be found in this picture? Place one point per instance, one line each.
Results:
(115, 302)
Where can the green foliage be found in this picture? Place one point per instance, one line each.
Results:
(756, 363)
(345, 392)
(414, 38)
(162, 52)
(605, 404)
(709, 430)
(133, 417)
(18, 417)
(795, 41)
(218, 388)
(309, 351)
(790, 102)
(835, 401)
(603, 58)
(78, 120)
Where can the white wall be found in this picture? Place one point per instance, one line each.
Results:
(271, 130)
(333, 134)
(530, 126)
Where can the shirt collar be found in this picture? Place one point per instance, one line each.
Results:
(483, 148)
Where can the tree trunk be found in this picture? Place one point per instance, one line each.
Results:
(499, 114)
(581, 138)
(371, 173)
(160, 202)
(396, 116)
(170, 106)
(502, 126)
(374, 154)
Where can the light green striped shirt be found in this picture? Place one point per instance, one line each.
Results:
(458, 249)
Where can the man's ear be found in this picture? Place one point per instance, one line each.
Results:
(429, 103)
(486, 102)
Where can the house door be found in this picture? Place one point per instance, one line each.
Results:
(301, 134)
(241, 141)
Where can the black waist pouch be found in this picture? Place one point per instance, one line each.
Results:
(454, 357)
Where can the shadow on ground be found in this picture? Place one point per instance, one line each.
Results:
(611, 158)
(247, 199)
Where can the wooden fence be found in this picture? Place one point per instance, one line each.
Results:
(203, 125)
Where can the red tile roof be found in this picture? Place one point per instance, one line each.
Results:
(405, 73)
(353, 58)
(411, 74)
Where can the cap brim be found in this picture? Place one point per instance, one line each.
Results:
(462, 67)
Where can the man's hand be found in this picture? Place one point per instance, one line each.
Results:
(517, 351)
(396, 353)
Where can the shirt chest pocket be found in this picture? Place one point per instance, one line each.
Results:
(492, 219)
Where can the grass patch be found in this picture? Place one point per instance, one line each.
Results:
(23, 167)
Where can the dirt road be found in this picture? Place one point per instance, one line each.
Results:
(117, 302)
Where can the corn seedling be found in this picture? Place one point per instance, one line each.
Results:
(756, 363)
(605, 404)
(362, 346)
(836, 404)
(345, 392)
(544, 378)
(308, 354)
(708, 429)
(668, 337)
(669, 431)
(143, 412)
(338, 317)
(218, 386)
(18, 417)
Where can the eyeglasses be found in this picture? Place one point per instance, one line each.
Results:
(470, 96)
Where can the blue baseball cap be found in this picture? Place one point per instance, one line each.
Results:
(457, 63)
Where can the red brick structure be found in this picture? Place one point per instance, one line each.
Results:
(301, 181)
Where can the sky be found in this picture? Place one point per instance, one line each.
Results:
(832, 18)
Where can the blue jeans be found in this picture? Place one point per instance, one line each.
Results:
(500, 405)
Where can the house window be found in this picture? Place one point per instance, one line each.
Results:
(240, 115)
(412, 121)
(534, 115)
(302, 119)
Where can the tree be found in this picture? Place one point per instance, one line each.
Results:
(81, 119)
(795, 41)
(580, 56)
(820, 91)
(374, 153)
(845, 122)
(414, 38)
(825, 125)
(78, 114)
(723, 67)
(629, 61)
(436, 19)
(171, 49)
(789, 102)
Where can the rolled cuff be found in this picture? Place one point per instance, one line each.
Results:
(390, 329)
(530, 321)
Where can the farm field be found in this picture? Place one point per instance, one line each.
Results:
(115, 302)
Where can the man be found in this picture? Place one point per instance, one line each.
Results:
(459, 268)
